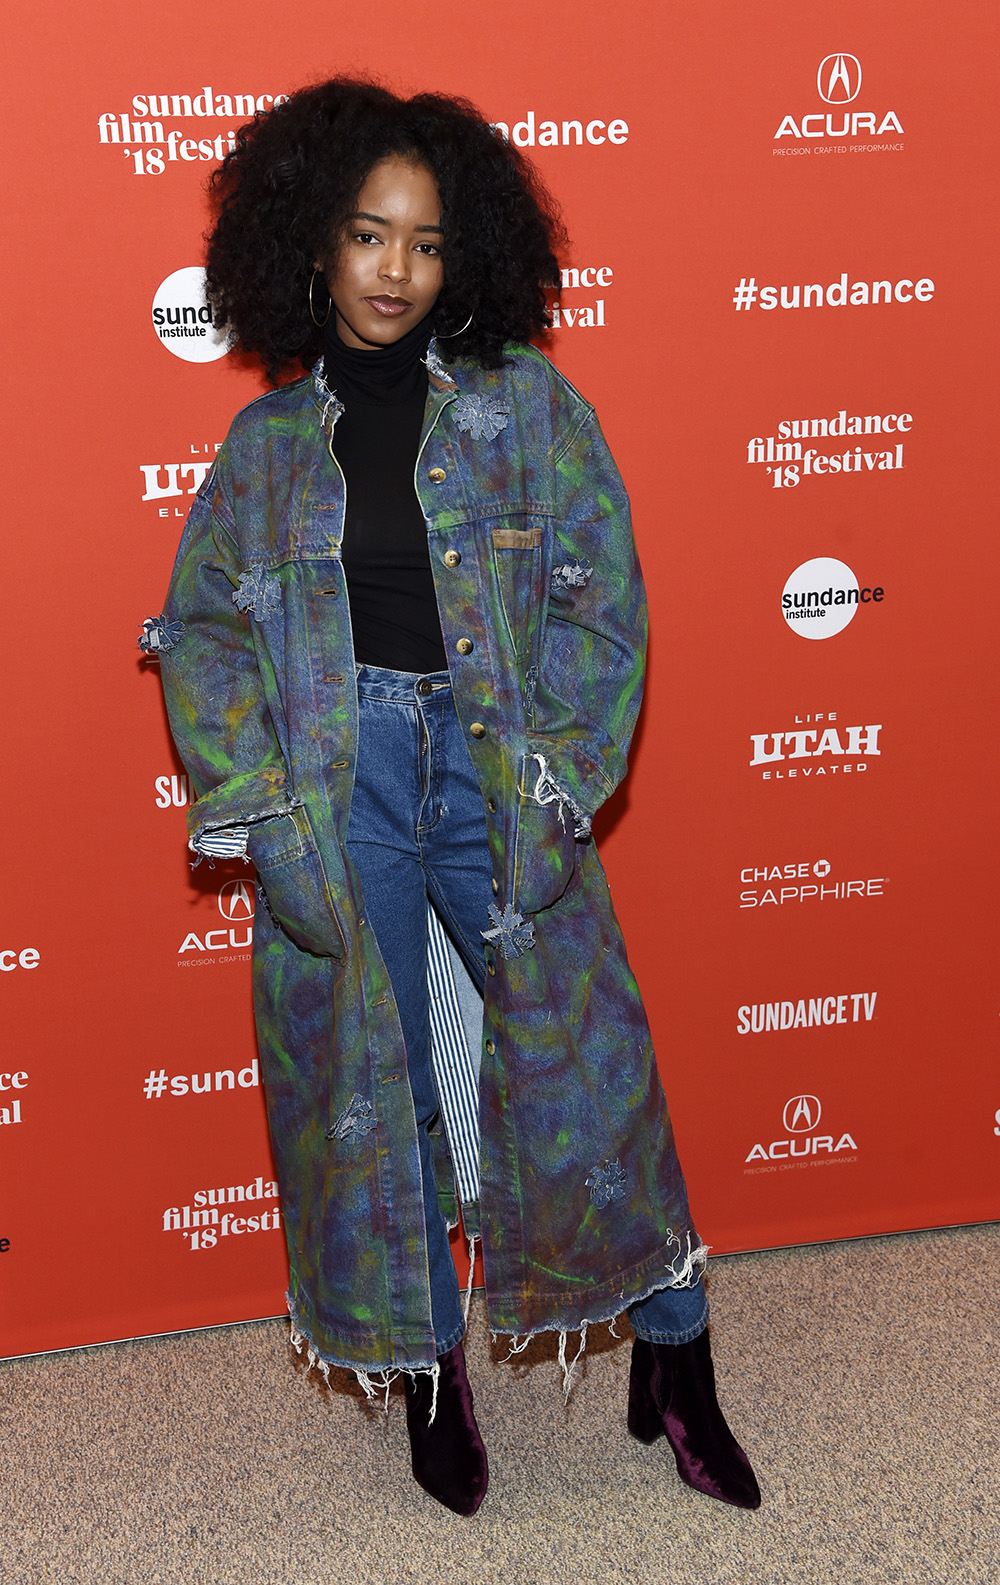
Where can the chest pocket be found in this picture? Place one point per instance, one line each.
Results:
(517, 556)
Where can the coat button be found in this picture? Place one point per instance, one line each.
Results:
(477, 729)
(437, 476)
(491, 805)
(496, 887)
(465, 646)
(490, 1048)
(452, 558)
(425, 687)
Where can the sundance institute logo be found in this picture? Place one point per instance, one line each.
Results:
(822, 596)
(183, 320)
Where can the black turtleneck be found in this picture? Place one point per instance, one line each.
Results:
(394, 614)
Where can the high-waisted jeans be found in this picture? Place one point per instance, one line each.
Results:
(417, 828)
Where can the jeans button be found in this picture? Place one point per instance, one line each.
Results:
(425, 687)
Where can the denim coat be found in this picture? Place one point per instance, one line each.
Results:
(583, 1207)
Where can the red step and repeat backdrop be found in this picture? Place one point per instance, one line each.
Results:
(781, 295)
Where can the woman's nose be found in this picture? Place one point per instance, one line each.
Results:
(395, 266)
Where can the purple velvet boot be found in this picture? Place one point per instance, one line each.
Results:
(671, 1393)
(448, 1456)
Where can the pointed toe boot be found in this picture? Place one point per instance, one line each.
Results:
(448, 1456)
(672, 1393)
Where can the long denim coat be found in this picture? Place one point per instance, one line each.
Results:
(583, 1207)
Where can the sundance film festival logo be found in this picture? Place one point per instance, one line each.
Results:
(183, 320)
(831, 749)
(11, 1084)
(804, 881)
(571, 313)
(231, 1212)
(802, 1146)
(787, 457)
(822, 596)
(838, 84)
(140, 133)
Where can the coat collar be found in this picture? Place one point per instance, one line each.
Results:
(439, 376)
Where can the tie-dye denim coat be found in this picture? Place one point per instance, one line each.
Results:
(582, 1203)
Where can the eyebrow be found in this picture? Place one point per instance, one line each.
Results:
(380, 220)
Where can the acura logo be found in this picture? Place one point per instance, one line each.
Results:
(802, 1114)
(839, 79)
(236, 900)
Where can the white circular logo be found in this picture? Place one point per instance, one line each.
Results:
(802, 1114)
(236, 900)
(183, 320)
(820, 598)
(839, 79)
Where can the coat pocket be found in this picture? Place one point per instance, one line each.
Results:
(544, 847)
(517, 556)
(291, 876)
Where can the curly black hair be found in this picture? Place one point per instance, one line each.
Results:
(293, 181)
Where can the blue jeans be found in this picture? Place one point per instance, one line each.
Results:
(417, 828)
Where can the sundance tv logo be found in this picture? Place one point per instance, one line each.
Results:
(822, 596)
(838, 83)
(802, 1146)
(183, 320)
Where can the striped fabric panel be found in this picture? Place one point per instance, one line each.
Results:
(455, 1070)
(229, 842)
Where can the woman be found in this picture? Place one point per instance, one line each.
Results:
(402, 654)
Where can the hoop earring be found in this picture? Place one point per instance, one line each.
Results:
(312, 310)
(450, 334)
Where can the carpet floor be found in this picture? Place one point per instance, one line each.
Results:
(861, 1378)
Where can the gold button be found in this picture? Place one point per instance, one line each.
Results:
(452, 558)
(437, 476)
(491, 805)
(477, 729)
(496, 888)
(490, 1048)
(465, 646)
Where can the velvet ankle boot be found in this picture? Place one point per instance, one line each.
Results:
(671, 1393)
(448, 1456)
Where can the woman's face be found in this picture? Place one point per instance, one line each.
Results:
(385, 270)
